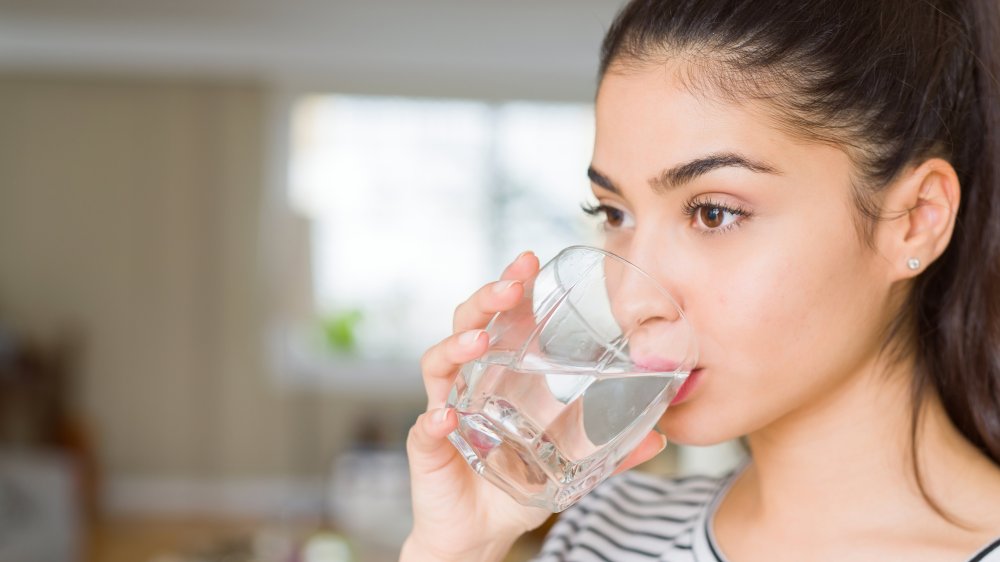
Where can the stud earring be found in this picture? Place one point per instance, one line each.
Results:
(913, 263)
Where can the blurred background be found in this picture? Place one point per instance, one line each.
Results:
(229, 228)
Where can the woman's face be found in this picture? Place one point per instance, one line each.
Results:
(753, 233)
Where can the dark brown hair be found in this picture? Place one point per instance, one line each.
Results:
(892, 82)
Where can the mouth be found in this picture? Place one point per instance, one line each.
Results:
(654, 363)
(687, 387)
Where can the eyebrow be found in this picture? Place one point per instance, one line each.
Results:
(687, 172)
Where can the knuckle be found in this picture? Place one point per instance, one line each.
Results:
(411, 443)
(438, 359)
(427, 359)
(484, 294)
(459, 312)
(414, 433)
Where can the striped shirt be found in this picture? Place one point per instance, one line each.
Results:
(636, 517)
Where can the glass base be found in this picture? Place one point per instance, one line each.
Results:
(512, 468)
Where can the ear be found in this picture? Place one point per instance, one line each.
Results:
(921, 206)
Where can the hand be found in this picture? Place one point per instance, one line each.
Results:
(458, 515)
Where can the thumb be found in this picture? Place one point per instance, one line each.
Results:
(648, 448)
(427, 446)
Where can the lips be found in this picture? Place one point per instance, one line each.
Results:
(688, 387)
(656, 364)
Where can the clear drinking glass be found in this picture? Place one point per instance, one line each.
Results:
(574, 378)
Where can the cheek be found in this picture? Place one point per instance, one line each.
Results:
(789, 282)
(761, 312)
(779, 320)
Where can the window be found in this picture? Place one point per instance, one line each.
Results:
(414, 203)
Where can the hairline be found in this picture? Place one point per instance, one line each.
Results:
(711, 78)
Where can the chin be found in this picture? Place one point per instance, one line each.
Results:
(684, 424)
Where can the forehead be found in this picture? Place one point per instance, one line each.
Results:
(649, 120)
(655, 110)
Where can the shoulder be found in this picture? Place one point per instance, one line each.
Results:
(632, 516)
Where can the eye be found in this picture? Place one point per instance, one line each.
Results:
(614, 218)
(715, 217)
(711, 217)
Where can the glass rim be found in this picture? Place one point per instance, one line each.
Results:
(693, 353)
(657, 284)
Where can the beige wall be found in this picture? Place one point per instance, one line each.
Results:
(131, 208)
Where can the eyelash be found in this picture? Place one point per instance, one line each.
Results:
(690, 209)
(595, 210)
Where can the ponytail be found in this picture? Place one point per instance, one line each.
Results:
(957, 303)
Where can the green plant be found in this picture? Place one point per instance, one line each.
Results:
(340, 330)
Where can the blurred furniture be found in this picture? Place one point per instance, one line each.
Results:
(39, 512)
(48, 483)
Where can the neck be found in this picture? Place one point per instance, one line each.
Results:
(850, 452)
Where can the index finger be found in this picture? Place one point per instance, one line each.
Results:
(470, 315)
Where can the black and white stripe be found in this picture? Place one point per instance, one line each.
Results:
(636, 517)
(633, 517)
(989, 553)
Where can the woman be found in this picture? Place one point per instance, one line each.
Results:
(817, 183)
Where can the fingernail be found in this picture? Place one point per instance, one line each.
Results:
(440, 416)
(470, 337)
(663, 440)
(502, 286)
(522, 254)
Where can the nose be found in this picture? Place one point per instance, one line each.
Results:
(659, 337)
(643, 284)
(635, 296)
